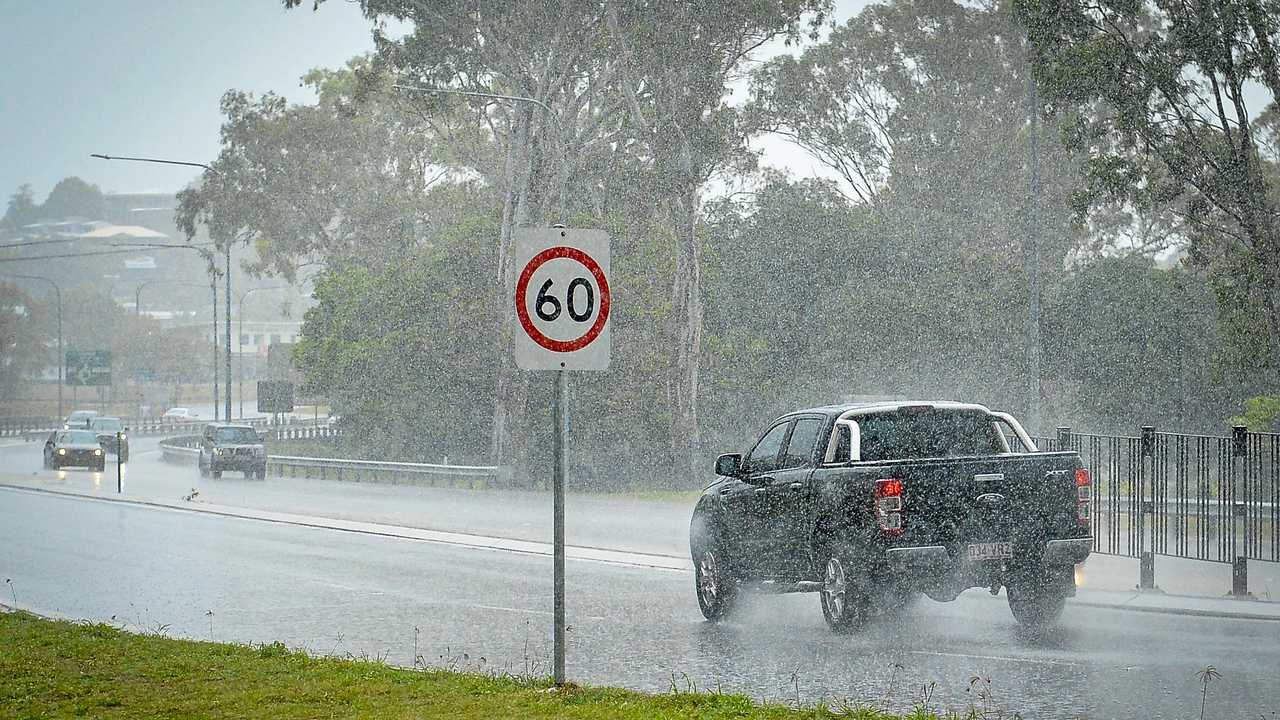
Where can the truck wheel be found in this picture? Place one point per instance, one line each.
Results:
(717, 590)
(845, 597)
(1035, 606)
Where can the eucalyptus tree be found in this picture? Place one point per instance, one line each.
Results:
(677, 61)
(548, 60)
(1185, 91)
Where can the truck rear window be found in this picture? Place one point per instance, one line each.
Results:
(915, 434)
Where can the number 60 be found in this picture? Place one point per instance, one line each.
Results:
(545, 299)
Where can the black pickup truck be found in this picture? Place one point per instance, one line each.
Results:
(872, 504)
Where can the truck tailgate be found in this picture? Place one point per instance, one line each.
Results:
(1025, 499)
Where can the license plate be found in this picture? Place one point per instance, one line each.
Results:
(991, 551)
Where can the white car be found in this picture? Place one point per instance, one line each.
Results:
(179, 414)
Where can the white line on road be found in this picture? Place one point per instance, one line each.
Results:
(483, 542)
(992, 657)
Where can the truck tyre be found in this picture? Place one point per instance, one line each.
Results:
(1035, 606)
(716, 588)
(845, 597)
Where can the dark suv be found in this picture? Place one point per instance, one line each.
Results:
(232, 447)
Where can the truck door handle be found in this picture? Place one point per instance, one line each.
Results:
(796, 485)
(760, 490)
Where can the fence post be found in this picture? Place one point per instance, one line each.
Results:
(1064, 437)
(1146, 557)
(1239, 508)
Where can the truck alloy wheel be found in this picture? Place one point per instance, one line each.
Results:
(716, 591)
(845, 602)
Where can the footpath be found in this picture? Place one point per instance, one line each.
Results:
(604, 528)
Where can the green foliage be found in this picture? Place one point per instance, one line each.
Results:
(405, 351)
(306, 181)
(62, 669)
(1159, 94)
(1127, 344)
(22, 350)
(1261, 414)
(73, 197)
(22, 209)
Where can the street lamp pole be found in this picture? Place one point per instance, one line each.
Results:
(227, 249)
(137, 294)
(57, 292)
(213, 284)
(240, 332)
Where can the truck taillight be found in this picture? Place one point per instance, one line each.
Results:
(889, 506)
(1084, 482)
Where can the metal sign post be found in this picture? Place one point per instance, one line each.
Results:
(562, 300)
(557, 522)
(119, 462)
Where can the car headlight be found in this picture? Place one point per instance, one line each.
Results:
(62, 451)
(97, 451)
(123, 436)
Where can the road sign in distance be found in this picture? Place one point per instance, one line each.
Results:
(88, 367)
(562, 299)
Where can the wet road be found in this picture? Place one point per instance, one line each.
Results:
(342, 592)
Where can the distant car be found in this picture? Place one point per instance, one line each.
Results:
(179, 414)
(106, 429)
(224, 446)
(78, 448)
(79, 419)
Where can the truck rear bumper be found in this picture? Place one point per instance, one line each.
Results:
(1071, 551)
(1056, 552)
(914, 558)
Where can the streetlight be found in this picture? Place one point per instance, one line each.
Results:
(240, 332)
(213, 285)
(137, 295)
(227, 404)
(57, 291)
(562, 177)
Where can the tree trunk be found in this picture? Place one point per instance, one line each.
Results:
(508, 446)
(686, 321)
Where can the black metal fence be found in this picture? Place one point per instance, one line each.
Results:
(1190, 496)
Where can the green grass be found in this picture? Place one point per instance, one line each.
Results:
(62, 669)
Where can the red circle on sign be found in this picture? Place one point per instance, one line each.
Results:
(522, 286)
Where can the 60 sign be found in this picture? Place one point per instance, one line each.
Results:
(544, 299)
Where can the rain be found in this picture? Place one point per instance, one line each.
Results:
(906, 355)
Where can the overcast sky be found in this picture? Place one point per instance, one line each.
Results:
(144, 77)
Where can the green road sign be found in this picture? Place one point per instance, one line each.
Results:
(88, 367)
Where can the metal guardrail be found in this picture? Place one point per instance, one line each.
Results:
(182, 450)
(31, 428)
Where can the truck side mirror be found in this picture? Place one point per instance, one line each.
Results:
(729, 465)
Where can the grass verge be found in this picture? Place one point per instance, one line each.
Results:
(62, 669)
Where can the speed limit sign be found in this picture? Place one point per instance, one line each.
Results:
(562, 299)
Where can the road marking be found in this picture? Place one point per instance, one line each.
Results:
(992, 657)
(480, 542)
(511, 609)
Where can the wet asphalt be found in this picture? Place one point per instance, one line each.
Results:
(344, 593)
